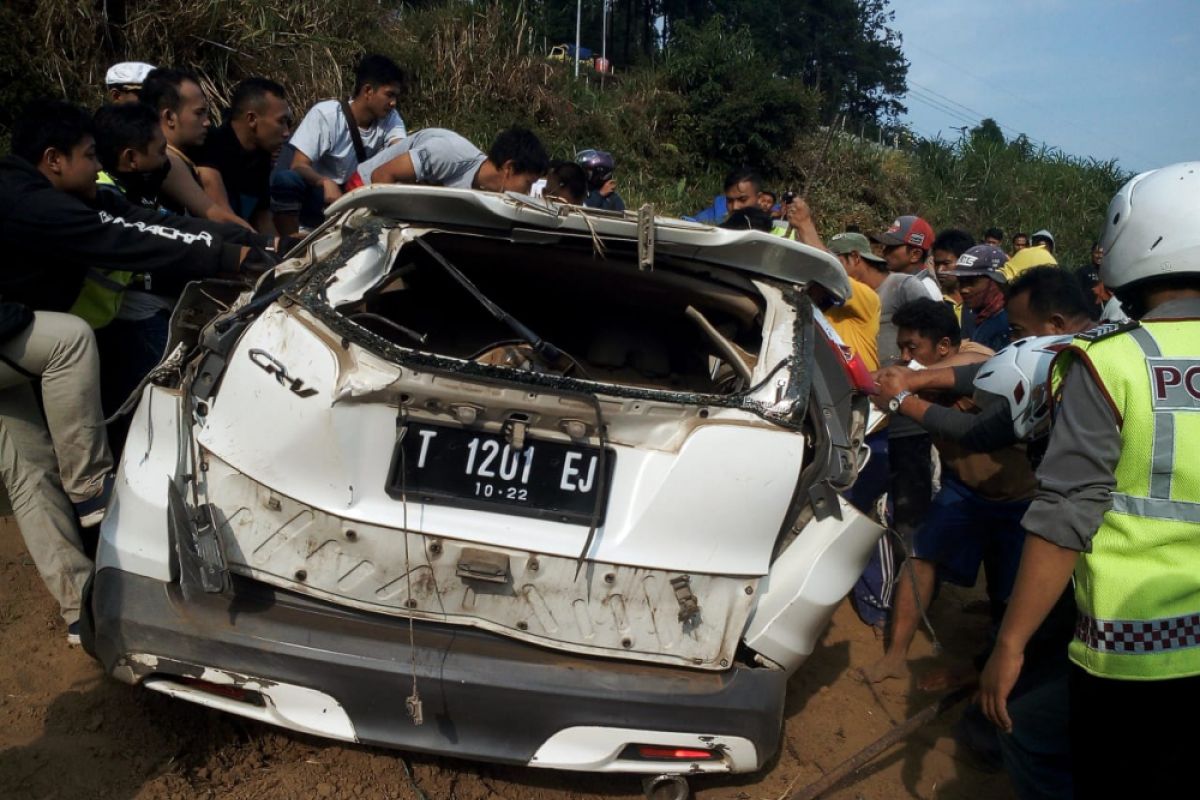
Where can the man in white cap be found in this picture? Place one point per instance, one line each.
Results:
(1043, 238)
(123, 82)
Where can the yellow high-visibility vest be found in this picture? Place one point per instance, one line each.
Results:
(1138, 590)
(102, 291)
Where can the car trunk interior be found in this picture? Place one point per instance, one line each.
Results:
(682, 326)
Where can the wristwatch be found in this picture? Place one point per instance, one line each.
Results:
(894, 403)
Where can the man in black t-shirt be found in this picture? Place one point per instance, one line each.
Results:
(234, 162)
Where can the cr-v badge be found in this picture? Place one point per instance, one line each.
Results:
(271, 365)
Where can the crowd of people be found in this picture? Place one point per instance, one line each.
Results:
(105, 216)
(971, 346)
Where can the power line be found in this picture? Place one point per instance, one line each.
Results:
(949, 100)
(1029, 102)
(973, 121)
(974, 113)
(957, 116)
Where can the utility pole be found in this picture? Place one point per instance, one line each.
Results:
(604, 42)
(604, 33)
(578, 32)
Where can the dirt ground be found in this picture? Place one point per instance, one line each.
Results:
(67, 731)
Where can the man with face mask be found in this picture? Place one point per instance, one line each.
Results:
(981, 282)
(55, 227)
(132, 152)
(130, 310)
(131, 321)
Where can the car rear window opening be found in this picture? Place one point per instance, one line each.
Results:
(561, 308)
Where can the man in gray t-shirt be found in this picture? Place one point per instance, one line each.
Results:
(910, 466)
(313, 167)
(899, 289)
(441, 157)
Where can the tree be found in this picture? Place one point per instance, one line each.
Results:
(739, 109)
(987, 132)
(843, 48)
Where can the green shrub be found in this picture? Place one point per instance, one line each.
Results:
(738, 110)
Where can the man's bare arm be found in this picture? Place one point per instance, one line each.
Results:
(180, 187)
(399, 170)
(214, 186)
(1044, 573)
(302, 166)
(893, 380)
(799, 217)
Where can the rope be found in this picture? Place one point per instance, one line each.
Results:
(173, 363)
(412, 703)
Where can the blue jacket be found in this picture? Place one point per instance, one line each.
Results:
(992, 332)
(714, 214)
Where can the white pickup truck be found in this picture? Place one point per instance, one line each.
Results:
(488, 476)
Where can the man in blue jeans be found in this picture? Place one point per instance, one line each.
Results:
(976, 517)
(1045, 301)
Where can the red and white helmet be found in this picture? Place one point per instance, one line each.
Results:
(1020, 373)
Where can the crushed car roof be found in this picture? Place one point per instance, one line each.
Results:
(747, 251)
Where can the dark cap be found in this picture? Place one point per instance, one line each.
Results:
(909, 230)
(982, 260)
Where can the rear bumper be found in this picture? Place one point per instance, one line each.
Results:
(332, 671)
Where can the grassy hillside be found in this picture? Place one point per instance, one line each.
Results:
(675, 126)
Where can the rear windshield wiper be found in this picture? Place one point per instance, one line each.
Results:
(540, 346)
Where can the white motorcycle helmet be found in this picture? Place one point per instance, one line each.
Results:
(1020, 373)
(1152, 226)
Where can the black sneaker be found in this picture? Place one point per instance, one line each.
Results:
(73, 633)
(91, 512)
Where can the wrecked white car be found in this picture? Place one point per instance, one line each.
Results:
(479, 475)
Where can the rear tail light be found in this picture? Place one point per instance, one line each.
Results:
(855, 368)
(222, 690)
(858, 373)
(657, 752)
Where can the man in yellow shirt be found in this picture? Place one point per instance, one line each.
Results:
(1028, 258)
(857, 320)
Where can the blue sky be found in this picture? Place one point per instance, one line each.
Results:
(1103, 78)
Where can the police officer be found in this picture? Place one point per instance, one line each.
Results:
(1118, 506)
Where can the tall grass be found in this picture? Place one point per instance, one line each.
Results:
(976, 184)
(306, 43)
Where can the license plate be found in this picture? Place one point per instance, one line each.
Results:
(473, 469)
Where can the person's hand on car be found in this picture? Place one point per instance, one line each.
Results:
(256, 260)
(891, 381)
(331, 191)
